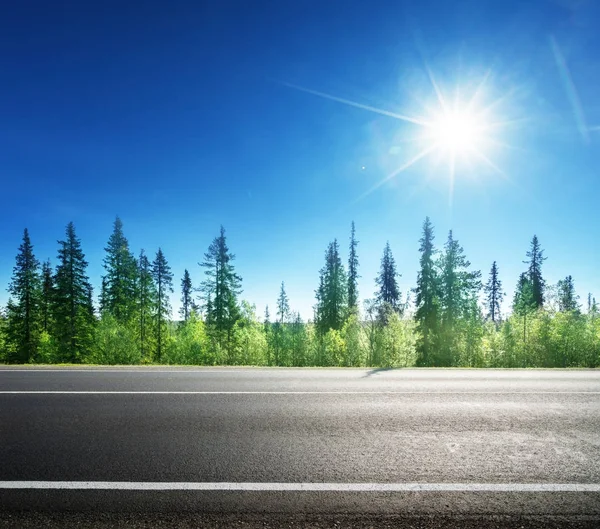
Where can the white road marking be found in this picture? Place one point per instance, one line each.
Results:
(303, 487)
(61, 392)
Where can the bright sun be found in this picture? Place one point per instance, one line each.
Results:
(457, 132)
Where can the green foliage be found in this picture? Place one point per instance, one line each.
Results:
(388, 293)
(146, 298)
(115, 342)
(23, 309)
(535, 260)
(331, 308)
(190, 344)
(493, 295)
(353, 271)
(163, 284)
(117, 296)
(73, 311)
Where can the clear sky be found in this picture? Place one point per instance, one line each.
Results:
(181, 116)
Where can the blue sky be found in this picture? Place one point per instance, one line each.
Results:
(179, 117)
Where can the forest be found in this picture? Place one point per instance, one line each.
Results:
(453, 317)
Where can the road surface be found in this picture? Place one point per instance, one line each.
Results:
(253, 447)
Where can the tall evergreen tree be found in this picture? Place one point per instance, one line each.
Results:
(163, 283)
(47, 296)
(535, 260)
(146, 303)
(523, 301)
(118, 285)
(23, 310)
(427, 298)
(493, 295)
(73, 311)
(222, 286)
(353, 271)
(332, 292)
(283, 305)
(187, 301)
(458, 288)
(388, 292)
(567, 299)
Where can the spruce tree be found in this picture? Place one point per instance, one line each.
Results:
(221, 288)
(458, 288)
(331, 305)
(353, 271)
(283, 306)
(388, 293)
(523, 300)
(73, 311)
(47, 296)
(493, 295)
(118, 285)
(163, 283)
(187, 302)
(567, 299)
(23, 310)
(427, 298)
(146, 303)
(535, 260)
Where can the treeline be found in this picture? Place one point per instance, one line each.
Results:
(451, 318)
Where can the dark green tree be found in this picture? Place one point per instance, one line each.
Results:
(221, 288)
(388, 292)
(283, 305)
(163, 283)
(47, 296)
(493, 295)
(427, 298)
(458, 288)
(523, 301)
(23, 310)
(536, 258)
(187, 301)
(331, 304)
(73, 311)
(118, 285)
(280, 327)
(353, 272)
(146, 303)
(567, 299)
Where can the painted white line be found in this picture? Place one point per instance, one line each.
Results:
(62, 392)
(303, 487)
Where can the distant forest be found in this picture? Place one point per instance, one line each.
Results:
(454, 317)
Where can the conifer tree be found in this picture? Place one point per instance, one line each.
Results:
(353, 271)
(187, 302)
(427, 298)
(283, 306)
(331, 305)
(523, 301)
(535, 260)
(47, 294)
(567, 299)
(146, 302)
(23, 310)
(73, 311)
(163, 283)
(494, 295)
(118, 285)
(221, 287)
(388, 292)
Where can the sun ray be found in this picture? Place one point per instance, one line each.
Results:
(395, 173)
(351, 103)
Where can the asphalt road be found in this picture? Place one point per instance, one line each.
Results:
(146, 447)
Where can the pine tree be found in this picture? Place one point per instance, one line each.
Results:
(567, 299)
(523, 301)
(73, 320)
(163, 283)
(23, 310)
(283, 306)
(331, 305)
(146, 302)
(494, 295)
(353, 271)
(118, 285)
(535, 260)
(47, 296)
(187, 302)
(388, 293)
(458, 288)
(427, 298)
(221, 287)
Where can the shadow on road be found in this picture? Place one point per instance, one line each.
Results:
(377, 370)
